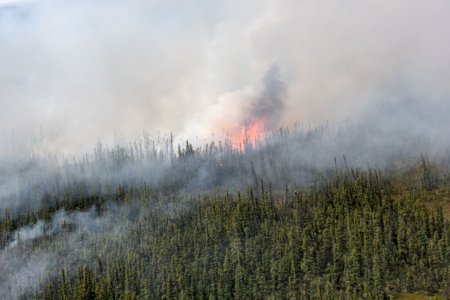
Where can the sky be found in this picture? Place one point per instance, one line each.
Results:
(73, 72)
(8, 2)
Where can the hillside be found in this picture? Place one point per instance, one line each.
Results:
(353, 233)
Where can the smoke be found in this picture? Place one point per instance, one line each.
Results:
(28, 233)
(61, 221)
(24, 273)
(269, 104)
(76, 71)
(27, 262)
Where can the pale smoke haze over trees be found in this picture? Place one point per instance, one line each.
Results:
(288, 157)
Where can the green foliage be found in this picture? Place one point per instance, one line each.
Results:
(352, 236)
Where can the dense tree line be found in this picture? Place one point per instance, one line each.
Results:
(352, 235)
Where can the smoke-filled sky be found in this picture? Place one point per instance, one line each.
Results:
(78, 71)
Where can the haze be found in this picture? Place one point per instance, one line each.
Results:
(73, 72)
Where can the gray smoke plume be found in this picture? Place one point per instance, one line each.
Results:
(269, 104)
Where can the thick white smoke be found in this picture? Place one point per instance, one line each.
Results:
(75, 71)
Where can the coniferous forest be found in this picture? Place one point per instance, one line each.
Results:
(340, 231)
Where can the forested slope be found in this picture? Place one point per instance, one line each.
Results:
(352, 235)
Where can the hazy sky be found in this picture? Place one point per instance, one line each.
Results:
(80, 70)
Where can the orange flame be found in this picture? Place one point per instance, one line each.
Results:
(250, 134)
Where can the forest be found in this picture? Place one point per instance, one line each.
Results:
(282, 220)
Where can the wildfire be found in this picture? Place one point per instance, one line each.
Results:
(251, 132)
